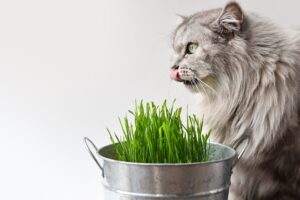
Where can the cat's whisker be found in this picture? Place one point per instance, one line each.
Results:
(213, 90)
(214, 75)
(202, 87)
(194, 85)
(205, 84)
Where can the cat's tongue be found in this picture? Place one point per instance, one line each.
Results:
(174, 74)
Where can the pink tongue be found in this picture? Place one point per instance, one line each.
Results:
(174, 74)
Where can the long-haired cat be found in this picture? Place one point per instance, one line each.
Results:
(247, 72)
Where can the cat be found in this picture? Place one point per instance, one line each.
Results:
(245, 73)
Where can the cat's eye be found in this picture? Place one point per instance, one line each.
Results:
(191, 48)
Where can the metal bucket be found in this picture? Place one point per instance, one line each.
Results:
(140, 181)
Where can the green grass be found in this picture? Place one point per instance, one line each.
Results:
(158, 135)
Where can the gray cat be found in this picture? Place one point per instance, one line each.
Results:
(246, 72)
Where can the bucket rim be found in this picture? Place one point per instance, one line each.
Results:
(234, 155)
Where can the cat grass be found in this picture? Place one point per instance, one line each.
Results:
(158, 135)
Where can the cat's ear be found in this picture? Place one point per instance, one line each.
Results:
(231, 19)
(181, 18)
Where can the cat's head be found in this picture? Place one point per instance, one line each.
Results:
(203, 45)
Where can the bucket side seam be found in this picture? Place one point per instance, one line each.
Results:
(198, 194)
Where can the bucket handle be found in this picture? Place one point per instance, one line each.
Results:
(236, 144)
(89, 142)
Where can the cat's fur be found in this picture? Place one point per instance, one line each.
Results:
(250, 73)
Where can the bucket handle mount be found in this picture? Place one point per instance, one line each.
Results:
(89, 143)
(236, 144)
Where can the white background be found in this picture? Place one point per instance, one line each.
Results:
(68, 68)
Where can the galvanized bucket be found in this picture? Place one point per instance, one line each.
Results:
(140, 181)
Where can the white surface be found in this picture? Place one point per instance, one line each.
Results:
(68, 68)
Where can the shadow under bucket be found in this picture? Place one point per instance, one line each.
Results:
(142, 181)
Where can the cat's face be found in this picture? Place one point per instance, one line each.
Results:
(200, 44)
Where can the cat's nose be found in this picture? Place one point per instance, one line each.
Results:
(175, 67)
